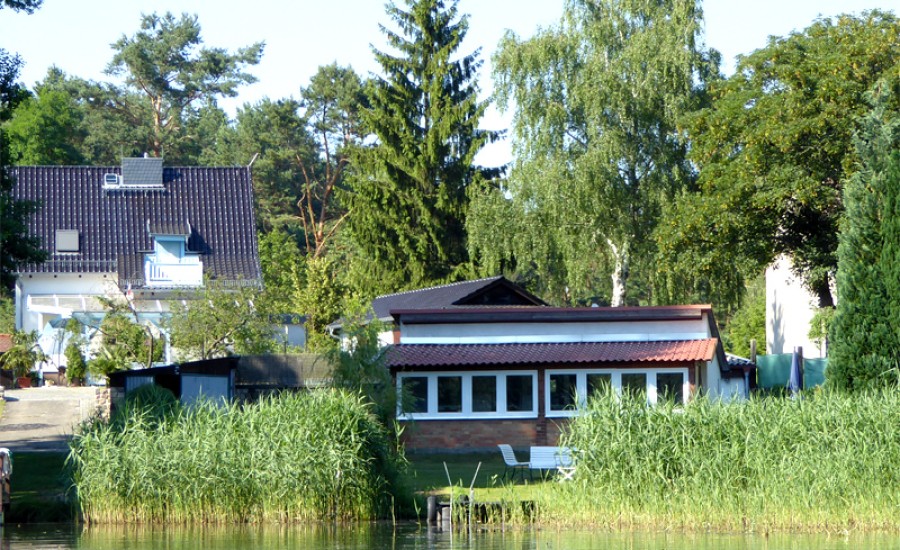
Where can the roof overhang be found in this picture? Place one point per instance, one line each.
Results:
(474, 355)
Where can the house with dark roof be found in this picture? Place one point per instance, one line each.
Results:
(140, 231)
(480, 363)
(488, 292)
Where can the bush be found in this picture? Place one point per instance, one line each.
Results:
(76, 366)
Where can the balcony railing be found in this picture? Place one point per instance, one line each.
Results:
(188, 272)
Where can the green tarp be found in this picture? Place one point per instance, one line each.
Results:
(773, 371)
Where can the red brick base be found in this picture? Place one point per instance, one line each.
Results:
(479, 435)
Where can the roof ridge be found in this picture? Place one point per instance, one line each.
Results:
(448, 285)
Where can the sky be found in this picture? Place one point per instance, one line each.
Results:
(302, 35)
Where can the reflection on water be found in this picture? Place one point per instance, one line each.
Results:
(404, 537)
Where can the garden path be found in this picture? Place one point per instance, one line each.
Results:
(43, 419)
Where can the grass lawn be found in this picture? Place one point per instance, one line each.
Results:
(427, 476)
(39, 488)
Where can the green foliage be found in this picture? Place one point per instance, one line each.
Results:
(864, 343)
(320, 297)
(76, 366)
(24, 354)
(360, 366)
(748, 322)
(597, 148)
(165, 65)
(7, 313)
(294, 457)
(123, 342)
(218, 322)
(820, 326)
(17, 245)
(774, 148)
(408, 201)
(44, 130)
(281, 261)
(28, 6)
(766, 463)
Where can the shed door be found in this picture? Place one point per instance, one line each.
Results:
(214, 388)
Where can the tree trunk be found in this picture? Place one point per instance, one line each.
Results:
(620, 273)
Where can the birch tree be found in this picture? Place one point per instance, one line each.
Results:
(596, 146)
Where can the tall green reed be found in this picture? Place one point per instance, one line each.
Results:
(293, 457)
(827, 461)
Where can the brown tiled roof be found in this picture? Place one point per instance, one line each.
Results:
(6, 342)
(461, 355)
(115, 226)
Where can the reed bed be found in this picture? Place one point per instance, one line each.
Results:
(289, 458)
(824, 462)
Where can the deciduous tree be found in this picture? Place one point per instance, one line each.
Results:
(774, 149)
(596, 144)
(218, 322)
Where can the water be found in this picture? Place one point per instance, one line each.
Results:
(407, 537)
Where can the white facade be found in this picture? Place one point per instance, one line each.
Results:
(790, 308)
(485, 394)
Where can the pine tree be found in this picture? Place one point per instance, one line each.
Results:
(864, 346)
(408, 202)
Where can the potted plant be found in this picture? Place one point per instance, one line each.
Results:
(76, 366)
(22, 356)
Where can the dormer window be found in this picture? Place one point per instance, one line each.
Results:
(171, 264)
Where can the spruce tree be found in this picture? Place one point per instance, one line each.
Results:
(864, 345)
(408, 200)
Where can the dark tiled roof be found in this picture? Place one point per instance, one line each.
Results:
(456, 355)
(492, 291)
(114, 225)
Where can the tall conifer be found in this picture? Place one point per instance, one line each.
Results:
(864, 346)
(409, 202)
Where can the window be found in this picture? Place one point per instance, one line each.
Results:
(484, 394)
(567, 390)
(519, 393)
(449, 394)
(467, 395)
(670, 387)
(635, 384)
(563, 392)
(414, 394)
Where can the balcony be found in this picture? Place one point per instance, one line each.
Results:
(187, 272)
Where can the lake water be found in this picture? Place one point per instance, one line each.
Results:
(408, 536)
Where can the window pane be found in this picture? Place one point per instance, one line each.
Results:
(634, 384)
(484, 394)
(415, 394)
(598, 384)
(670, 387)
(562, 392)
(519, 392)
(449, 389)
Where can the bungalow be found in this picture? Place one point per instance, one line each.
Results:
(139, 231)
(476, 377)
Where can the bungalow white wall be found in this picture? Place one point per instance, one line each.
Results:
(524, 333)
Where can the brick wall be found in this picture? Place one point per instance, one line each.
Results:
(479, 435)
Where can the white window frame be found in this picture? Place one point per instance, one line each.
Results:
(616, 381)
(467, 412)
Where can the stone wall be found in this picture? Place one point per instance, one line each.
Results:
(108, 399)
